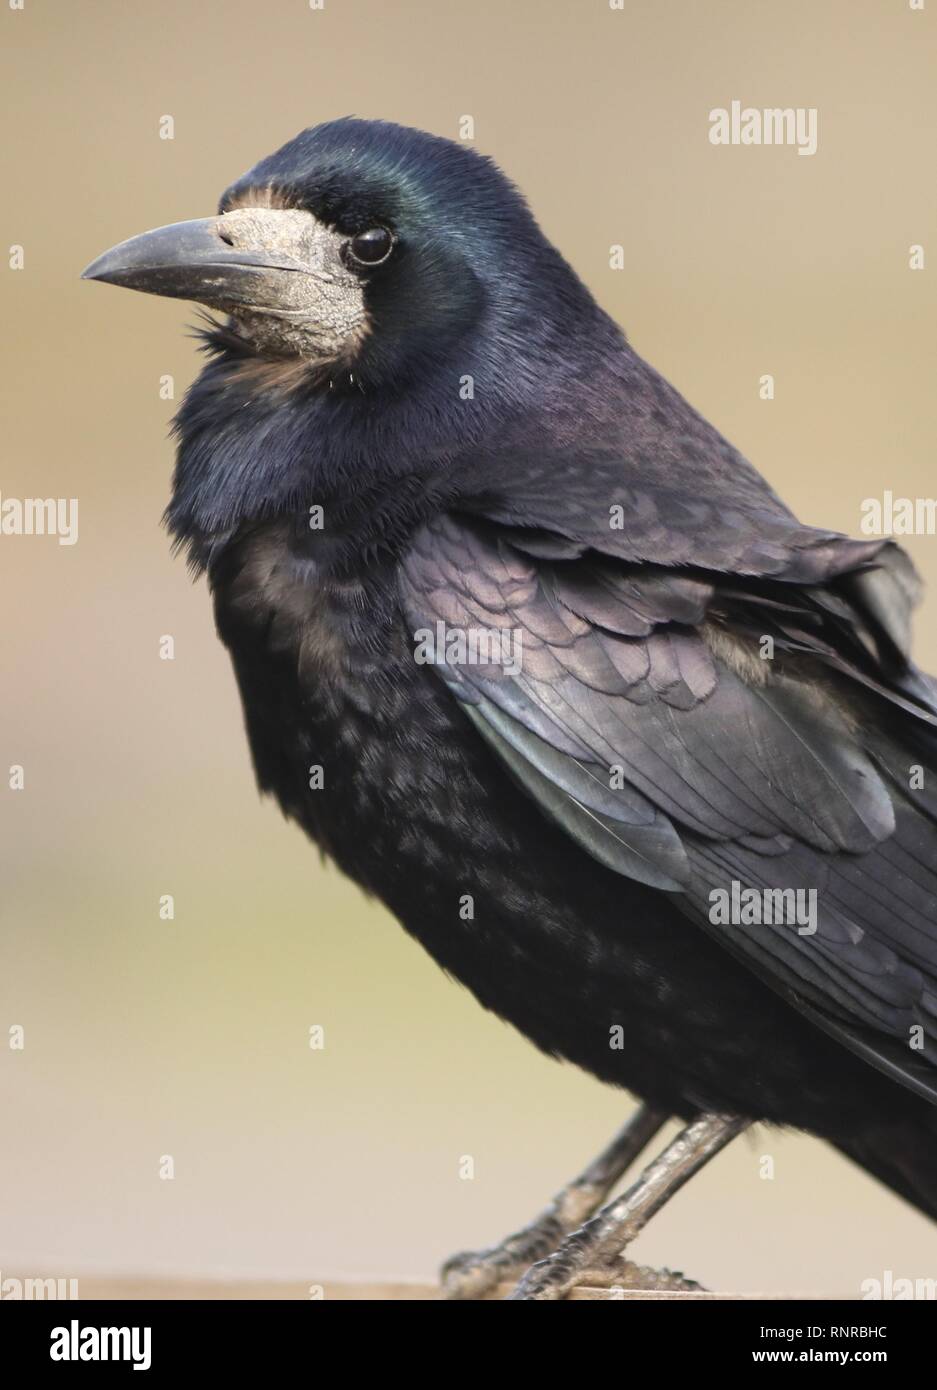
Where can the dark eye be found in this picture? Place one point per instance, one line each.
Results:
(371, 247)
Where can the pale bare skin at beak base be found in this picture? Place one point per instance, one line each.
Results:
(278, 272)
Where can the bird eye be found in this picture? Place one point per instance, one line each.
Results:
(371, 247)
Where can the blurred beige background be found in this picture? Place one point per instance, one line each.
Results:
(189, 1037)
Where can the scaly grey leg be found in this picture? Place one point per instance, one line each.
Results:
(598, 1245)
(472, 1274)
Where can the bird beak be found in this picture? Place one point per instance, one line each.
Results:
(211, 260)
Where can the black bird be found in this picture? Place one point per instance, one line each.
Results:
(540, 660)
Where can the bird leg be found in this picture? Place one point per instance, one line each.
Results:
(473, 1274)
(598, 1245)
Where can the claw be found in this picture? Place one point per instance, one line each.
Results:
(473, 1274)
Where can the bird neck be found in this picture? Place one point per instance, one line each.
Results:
(261, 440)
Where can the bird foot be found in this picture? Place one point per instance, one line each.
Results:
(626, 1275)
(474, 1274)
(600, 1242)
(567, 1242)
(551, 1279)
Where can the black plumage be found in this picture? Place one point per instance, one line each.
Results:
(492, 455)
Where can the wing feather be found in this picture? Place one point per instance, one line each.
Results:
(641, 718)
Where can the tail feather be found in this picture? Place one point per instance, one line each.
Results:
(903, 1157)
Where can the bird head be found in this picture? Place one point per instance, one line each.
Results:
(358, 247)
(392, 307)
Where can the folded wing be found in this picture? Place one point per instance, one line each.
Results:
(743, 717)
